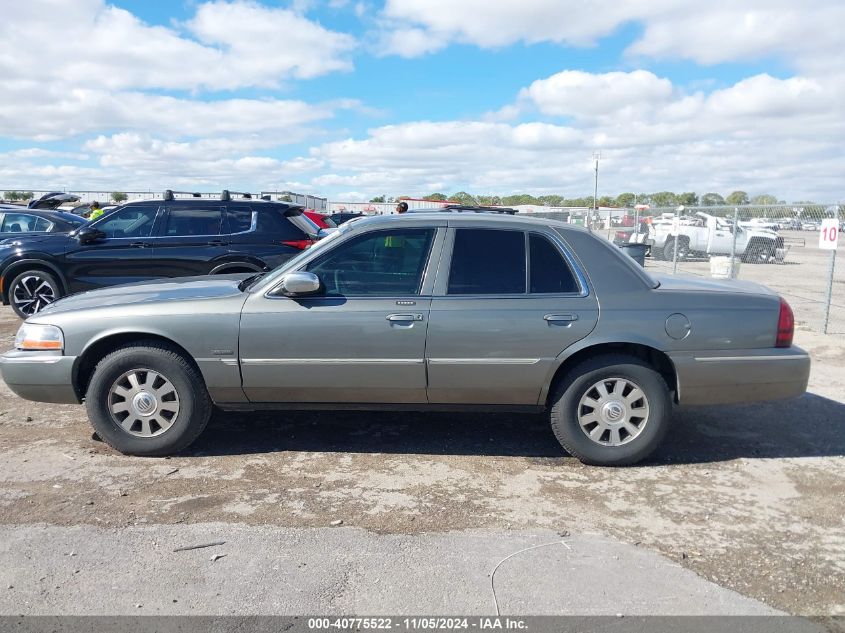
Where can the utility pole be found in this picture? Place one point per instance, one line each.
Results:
(596, 157)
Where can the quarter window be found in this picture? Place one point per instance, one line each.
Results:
(549, 271)
(487, 262)
(193, 221)
(380, 263)
(132, 221)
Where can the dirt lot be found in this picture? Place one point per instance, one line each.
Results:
(749, 497)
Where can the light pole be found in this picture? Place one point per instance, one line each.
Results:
(596, 157)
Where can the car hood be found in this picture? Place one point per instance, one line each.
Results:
(163, 291)
(705, 284)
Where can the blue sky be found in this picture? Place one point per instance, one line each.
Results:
(352, 99)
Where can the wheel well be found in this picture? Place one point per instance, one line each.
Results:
(237, 267)
(18, 267)
(87, 362)
(655, 358)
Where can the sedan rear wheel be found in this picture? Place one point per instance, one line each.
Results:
(611, 410)
(31, 291)
(147, 399)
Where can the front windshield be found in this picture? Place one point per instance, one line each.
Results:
(292, 263)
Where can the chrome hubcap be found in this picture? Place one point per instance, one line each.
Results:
(613, 412)
(143, 403)
(32, 293)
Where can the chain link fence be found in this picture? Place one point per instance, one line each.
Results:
(780, 246)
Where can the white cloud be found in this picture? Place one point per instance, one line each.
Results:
(225, 46)
(708, 33)
(581, 94)
(761, 134)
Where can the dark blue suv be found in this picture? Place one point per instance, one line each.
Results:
(147, 239)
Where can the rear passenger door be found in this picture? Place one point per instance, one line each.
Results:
(191, 239)
(508, 304)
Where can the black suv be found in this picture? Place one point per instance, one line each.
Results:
(146, 239)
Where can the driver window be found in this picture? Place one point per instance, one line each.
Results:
(380, 263)
(134, 221)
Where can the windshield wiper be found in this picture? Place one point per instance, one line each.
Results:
(246, 283)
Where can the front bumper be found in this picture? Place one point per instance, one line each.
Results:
(734, 376)
(40, 376)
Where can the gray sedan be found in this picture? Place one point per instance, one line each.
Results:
(424, 311)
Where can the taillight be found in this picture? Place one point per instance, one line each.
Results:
(298, 244)
(786, 325)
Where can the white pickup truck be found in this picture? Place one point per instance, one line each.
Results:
(702, 235)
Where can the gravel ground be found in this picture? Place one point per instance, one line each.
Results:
(749, 497)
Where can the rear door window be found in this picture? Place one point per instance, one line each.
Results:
(241, 218)
(190, 221)
(487, 262)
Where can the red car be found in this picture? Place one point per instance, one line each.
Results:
(321, 220)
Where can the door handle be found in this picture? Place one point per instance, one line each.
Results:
(561, 318)
(139, 245)
(217, 243)
(404, 317)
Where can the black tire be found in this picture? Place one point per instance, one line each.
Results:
(31, 290)
(669, 250)
(194, 404)
(759, 252)
(579, 382)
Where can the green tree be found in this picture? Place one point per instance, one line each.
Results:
(626, 200)
(377, 199)
(285, 198)
(712, 200)
(118, 197)
(607, 201)
(26, 195)
(688, 199)
(551, 200)
(462, 197)
(737, 198)
(764, 198)
(663, 199)
(13, 196)
(435, 197)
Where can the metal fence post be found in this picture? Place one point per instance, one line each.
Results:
(675, 251)
(830, 271)
(733, 244)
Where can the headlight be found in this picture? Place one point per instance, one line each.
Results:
(39, 337)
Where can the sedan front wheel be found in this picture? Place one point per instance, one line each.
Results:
(147, 399)
(611, 410)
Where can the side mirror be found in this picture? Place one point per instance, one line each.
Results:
(88, 234)
(299, 284)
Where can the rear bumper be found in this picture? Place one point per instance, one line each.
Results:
(40, 376)
(734, 376)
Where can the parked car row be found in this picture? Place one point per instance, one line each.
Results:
(150, 239)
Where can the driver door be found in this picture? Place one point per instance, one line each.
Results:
(361, 340)
(122, 256)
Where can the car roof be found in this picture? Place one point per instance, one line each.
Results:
(461, 218)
